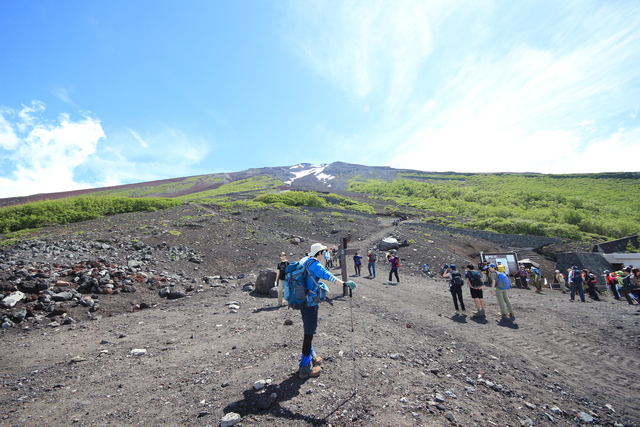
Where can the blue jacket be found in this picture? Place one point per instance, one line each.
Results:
(317, 270)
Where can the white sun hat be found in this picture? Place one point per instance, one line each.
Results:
(315, 248)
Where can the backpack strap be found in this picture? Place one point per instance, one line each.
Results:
(306, 268)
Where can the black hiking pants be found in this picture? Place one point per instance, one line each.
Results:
(456, 293)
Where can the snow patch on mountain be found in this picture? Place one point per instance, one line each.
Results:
(301, 170)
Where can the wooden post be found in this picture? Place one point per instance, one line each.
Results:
(343, 264)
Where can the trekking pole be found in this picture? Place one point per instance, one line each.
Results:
(353, 342)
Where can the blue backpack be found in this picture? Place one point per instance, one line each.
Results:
(503, 281)
(295, 292)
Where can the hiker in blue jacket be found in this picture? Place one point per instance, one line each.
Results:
(357, 263)
(309, 361)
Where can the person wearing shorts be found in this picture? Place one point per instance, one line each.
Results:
(476, 291)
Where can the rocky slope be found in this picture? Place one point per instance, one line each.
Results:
(153, 318)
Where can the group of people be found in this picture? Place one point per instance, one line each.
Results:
(331, 257)
(372, 259)
(625, 282)
(499, 285)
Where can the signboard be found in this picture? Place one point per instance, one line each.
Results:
(508, 259)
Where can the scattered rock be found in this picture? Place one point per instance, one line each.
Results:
(265, 280)
(230, 419)
(12, 299)
(450, 417)
(585, 418)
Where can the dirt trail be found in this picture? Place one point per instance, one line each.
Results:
(557, 363)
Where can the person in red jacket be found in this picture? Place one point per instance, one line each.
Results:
(612, 281)
(591, 281)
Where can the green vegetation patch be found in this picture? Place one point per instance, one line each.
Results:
(577, 207)
(312, 199)
(74, 209)
(256, 184)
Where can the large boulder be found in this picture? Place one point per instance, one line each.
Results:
(265, 281)
(389, 243)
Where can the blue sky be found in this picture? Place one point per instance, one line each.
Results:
(96, 93)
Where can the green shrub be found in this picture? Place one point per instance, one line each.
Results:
(293, 198)
(74, 209)
(568, 206)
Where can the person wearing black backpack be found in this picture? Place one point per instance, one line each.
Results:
(455, 287)
(591, 281)
(475, 285)
(575, 283)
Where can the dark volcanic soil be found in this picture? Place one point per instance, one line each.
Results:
(556, 363)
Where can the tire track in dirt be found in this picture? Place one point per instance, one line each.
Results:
(565, 359)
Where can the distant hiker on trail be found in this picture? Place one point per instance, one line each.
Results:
(521, 277)
(575, 283)
(371, 266)
(562, 281)
(475, 285)
(536, 279)
(631, 284)
(327, 259)
(394, 261)
(282, 265)
(499, 286)
(443, 268)
(591, 281)
(455, 287)
(612, 281)
(357, 263)
(309, 361)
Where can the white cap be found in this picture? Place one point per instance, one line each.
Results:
(315, 248)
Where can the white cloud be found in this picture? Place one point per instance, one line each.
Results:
(362, 46)
(137, 137)
(8, 138)
(63, 94)
(43, 156)
(168, 151)
(478, 87)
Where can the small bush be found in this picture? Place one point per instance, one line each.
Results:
(74, 209)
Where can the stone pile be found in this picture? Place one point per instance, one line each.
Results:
(45, 278)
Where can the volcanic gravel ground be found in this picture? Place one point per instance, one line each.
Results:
(415, 363)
